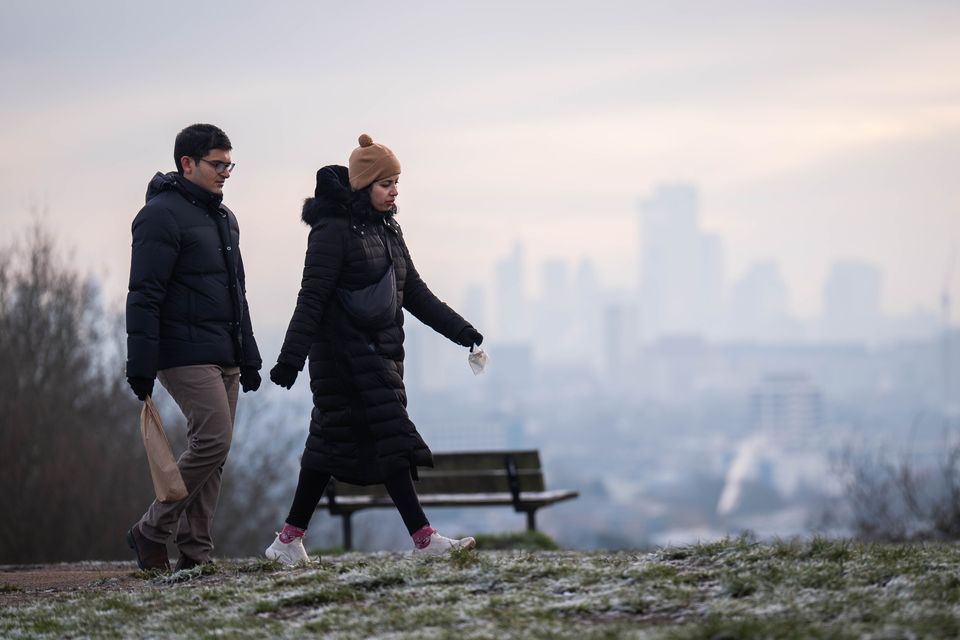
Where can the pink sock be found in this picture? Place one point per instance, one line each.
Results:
(290, 532)
(421, 539)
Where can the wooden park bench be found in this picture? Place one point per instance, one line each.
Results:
(458, 479)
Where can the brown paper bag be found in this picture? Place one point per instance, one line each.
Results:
(167, 481)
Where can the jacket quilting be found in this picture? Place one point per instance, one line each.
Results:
(360, 431)
(186, 302)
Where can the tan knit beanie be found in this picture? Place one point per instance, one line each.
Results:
(371, 162)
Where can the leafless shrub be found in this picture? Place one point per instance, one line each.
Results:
(71, 464)
(73, 473)
(902, 498)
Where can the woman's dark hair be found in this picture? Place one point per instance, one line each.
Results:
(362, 209)
(360, 202)
(198, 140)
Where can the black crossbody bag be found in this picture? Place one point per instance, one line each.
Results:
(373, 306)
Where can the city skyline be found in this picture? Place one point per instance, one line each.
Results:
(682, 291)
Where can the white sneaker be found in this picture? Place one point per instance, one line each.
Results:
(440, 545)
(290, 554)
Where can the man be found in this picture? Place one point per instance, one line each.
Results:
(188, 325)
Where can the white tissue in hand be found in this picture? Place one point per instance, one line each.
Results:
(478, 360)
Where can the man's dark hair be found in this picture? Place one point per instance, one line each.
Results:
(197, 140)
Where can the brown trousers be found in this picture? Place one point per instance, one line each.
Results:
(207, 395)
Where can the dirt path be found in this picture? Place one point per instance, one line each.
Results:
(18, 582)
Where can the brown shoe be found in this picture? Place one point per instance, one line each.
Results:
(186, 562)
(150, 554)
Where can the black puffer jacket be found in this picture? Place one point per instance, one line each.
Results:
(187, 299)
(359, 428)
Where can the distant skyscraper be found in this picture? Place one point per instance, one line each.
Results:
(511, 374)
(553, 313)
(556, 281)
(586, 280)
(851, 303)
(681, 268)
(619, 338)
(588, 312)
(712, 281)
(475, 307)
(758, 305)
(786, 404)
(511, 296)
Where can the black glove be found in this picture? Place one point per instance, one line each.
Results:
(283, 375)
(142, 387)
(469, 336)
(249, 379)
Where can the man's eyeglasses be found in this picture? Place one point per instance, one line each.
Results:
(220, 167)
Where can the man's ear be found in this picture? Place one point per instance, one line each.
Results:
(188, 164)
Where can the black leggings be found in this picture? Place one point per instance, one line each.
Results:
(310, 488)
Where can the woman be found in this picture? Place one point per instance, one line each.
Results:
(357, 275)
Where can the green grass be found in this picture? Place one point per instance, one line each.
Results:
(734, 588)
(520, 540)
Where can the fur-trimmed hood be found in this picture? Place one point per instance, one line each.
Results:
(333, 197)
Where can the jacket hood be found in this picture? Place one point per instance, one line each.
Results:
(161, 182)
(173, 181)
(334, 197)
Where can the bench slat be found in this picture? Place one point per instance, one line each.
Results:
(459, 482)
(479, 482)
(527, 499)
(485, 460)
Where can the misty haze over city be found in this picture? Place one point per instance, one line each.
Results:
(688, 407)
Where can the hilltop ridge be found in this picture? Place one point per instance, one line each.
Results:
(732, 588)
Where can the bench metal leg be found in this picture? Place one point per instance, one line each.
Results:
(347, 532)
(532, 520)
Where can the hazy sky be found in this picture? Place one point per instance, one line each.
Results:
(815, 131)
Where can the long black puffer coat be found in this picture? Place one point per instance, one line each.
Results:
(187, 302)
(359, 428)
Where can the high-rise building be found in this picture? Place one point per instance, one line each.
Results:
(475, 307)
(556, 281)
(786, 404)
(587, 331)
(758, 305)
(851, 303)
(553, 314)
(681, 268)
(510, 376)
(619, 338)
(511, 297)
